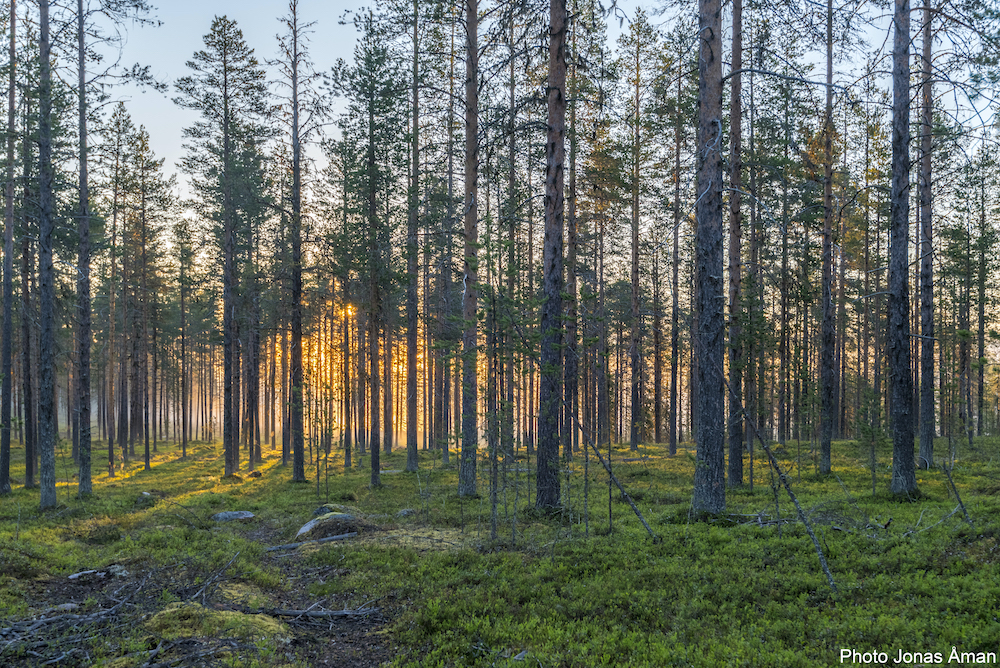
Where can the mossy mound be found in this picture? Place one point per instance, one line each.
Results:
(191, 620)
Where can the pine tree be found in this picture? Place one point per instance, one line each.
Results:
(227, 86)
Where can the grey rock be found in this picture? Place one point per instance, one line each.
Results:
(323, 519)
(406, 512)
(230, 515)
(330, 508)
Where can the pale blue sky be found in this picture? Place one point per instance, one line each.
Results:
(185, 22)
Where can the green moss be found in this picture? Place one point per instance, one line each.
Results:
(191, 620)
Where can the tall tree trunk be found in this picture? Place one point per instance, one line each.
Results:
(675, 264)
(230, 358)
(783, 409)
(46, 271)
(927, 423)
(374, 304)
(296, 382)
(27, 380)
(735, 250)
(413, 222)
(387, 381)
(709, 481)
(470, 431)
(551, 328)
(571, 358)
(981, 273)
(8, 264)
(603, 361)
(347, 378)
(904, 479)
(829, 335)
(635, 412)
(143, 332)
(183, 360)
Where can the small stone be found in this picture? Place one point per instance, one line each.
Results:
(230, 515)
(406, 512)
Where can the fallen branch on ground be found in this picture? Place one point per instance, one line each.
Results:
(292, 546)
(319, 613)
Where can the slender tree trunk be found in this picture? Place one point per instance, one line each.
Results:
(927, 424)
(735, 250)
(551, 328)
(829, 335)
(8, 264)
(571, 359)
(413, 221)
(903, 474)
(296, 381)
(143, 332)
(230, 357)
(470, 431)
(675, 279)
(27, 380)
(46, 271)
(374, 304)
(387, 381)
(635, 412)
(347, 378)
(783, 411)
(183, 360)
(981, 271)
(709, 481)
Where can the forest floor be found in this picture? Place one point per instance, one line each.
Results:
(140, 574)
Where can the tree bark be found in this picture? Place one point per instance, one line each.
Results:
(8, 263)
(296, 382)
(904, 479)
(829, 334)
(735, 249)
(675, 264)
(550, 394)
(46, 271)
(927, 422)
(413, 222)
(709, 480)
(470, 390)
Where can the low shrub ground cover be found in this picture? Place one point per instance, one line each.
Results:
(917, 584)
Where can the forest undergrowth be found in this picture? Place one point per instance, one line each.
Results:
(422, 583)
